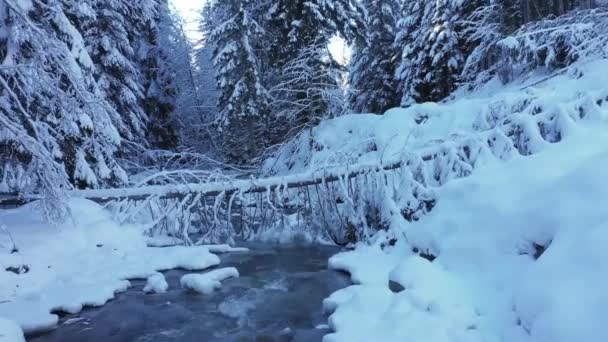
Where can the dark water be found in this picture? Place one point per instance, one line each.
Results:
(277, 298)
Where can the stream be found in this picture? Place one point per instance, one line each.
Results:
(278, 297)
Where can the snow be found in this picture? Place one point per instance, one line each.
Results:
(519, 243)
(208, 282)
(10, 331)
(156, 283)
(374, 269)
(85, 261)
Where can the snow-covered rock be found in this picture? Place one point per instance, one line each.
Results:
(208, 282)
(156, 283)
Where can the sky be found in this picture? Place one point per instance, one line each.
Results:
(189, 9)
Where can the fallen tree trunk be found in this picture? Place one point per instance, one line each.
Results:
(229, 188)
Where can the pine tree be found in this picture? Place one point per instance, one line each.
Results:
(177, 52)
(110, 39)
(486, 23)
(294, 24)
(305, 82)
(372, 81)
(212, 16)
(307, 91)
(157, 48)
(55, 128)
(432, 56)
(244, 101)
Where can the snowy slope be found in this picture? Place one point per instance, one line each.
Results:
(519, 244)
(368, 138)
(85, 262)
(485, 284)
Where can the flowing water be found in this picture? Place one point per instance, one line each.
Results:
(277, 298)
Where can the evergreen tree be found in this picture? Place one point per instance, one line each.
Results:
(294, 24)
(307, 91)
(110, 39)
(157, 48)
(55, 128)
(305, 81)
(212, 16)
(432, 56)
(244, 101)
(372, 81)
(488, 22)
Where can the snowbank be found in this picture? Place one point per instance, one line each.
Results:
(518, 248)
(80, 263)
(208, 282)
(373, 269)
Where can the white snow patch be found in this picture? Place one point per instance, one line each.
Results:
(156, 283)
(10, 331)
(368, 264)
(208, 282)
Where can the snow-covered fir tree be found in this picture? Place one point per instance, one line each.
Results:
(549, 42)
(305, 81)
(432, 54)
(110, 38)
(79, 77)
(307, 91)
(372, 83)
(212, 15)
(161, 50)
(244, 101)
(293, 24)
(55, 129)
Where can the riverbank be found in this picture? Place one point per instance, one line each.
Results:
(277, 297)
(49, 270)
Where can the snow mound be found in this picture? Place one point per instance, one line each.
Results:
(349, 304)
(563, 296)
(209, 282)
(156, 283)
(374, 269)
